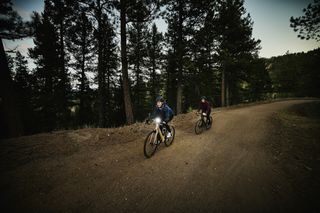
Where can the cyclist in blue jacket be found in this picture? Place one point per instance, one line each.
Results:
(163, 111)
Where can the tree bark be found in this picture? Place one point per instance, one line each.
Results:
(153, 90)
(83, 77)
(10, 120)
(125, 78)
(63, 75)
(227, 93)
(223, 89)
(180, 65)
(101, 76)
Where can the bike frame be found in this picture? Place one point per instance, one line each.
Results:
(158, 131)
(204, 118)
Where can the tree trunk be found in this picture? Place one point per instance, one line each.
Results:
(138, 83)
(227, 93)
(10, 122)
(180, 65)
(108, 94)
(153, 89)
(101, 76)
(153, 61)
(223, 88)
(125, 78)
(83, 76)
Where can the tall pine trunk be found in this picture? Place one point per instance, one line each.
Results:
(125, 78)
(82, 80)
(108, 92)
(153, 89)
(223, 88)
(63, 84)
(180, 65)
(138, 84)
(227, 93)
(10, 122)
(101, 76)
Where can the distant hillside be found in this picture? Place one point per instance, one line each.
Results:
(296, 74)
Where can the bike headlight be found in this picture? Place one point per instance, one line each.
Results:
(204, 114)
(157, 120)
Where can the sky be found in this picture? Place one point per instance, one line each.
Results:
(270, 17)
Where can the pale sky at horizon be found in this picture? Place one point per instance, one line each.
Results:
(271, 25)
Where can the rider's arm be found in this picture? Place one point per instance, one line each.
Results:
(154, 113)
(166, 114)
(208, 108)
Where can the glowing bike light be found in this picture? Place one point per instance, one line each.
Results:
(157, 120)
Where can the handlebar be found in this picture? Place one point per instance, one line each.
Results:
(155, 120)
(204, 114)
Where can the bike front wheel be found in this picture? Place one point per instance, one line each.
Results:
(169, 141)
(209, 124)
(150, 144)
(199, 127)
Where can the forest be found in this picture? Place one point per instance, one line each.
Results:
(101, 63)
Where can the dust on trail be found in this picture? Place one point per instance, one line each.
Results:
(225, 169)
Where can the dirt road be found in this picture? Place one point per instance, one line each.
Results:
(225, 169)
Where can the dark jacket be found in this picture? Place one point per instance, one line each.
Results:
(205, 107)
(164, 112)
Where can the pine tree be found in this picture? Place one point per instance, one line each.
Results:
(109, 66)
(184, 17)
(236, 46)
(100, 11)
(137, 54)
(171, 71)
(177, 10)
(308, 24)
(60, 12)
(132, 11)
(10, 65)
(21, 72)
(155, 59)
(23, 86)
(46, 54)
(81, 46)
(11, 27)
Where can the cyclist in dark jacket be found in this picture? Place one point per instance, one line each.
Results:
(163, 111)
(205, 107)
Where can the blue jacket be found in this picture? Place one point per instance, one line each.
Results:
(164, 112)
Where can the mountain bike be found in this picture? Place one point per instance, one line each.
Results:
(203, 123)
(156, 137)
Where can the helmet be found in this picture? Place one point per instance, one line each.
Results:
(159, 98)
(204, 97)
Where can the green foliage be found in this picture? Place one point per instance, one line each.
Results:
(81, 46)
(207, 50)
(155, 59)
(23, 84)
(308, 25)
(237, 48)
(11, 24)
(45, 55)
(137, 55)
(296, 74)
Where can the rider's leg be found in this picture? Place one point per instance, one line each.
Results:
(166, 124)
(208, 116)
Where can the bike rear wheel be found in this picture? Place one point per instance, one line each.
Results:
(150, 144)
(169, 141)
(199, 127)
